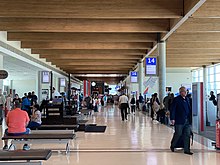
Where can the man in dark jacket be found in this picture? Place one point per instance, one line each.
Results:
(181, 117)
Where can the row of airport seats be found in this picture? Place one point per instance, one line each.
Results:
(54, 129)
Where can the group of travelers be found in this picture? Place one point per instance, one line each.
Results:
(92, 102)
(177, 111)
(21, 115)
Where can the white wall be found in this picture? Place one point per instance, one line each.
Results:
(24, 86)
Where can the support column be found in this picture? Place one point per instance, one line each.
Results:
(162, 69)
(51, 85)
(69, 87)
(205, 95)
(38, 86)
(1, 68)
(140, 77)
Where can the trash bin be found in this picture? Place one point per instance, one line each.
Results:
(218, 134)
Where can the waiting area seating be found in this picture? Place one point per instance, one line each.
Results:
(43, 136)
(21, 157)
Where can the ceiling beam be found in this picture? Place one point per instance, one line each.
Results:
(189, 4)
(192, 56)
(193, 45)
(175, 25)
(86, 68)
(82, 37)
(210, 9)
(188, 64)
(195, 37)
(60, 52)
(76, 45)
(192, 60)
(202, 52)
(97, 72)
(201, 25)
(84, 25)
(91, 9)
(93, 63)
(93, 57)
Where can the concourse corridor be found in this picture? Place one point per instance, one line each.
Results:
(137, 141)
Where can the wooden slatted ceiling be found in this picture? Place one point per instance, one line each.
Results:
(197, 41)
(82, 37)
(100, 36)
(122, 9)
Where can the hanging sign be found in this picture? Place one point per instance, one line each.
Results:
(134, 77)
(151, 66)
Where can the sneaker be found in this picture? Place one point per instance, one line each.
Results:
(26, 147)
(5, 148)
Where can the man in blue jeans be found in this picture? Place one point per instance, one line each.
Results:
(181, 118)
(17, 120)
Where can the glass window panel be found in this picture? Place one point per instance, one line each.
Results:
(195, 73)
(211, 70)
(217, 77)
(195, 79)
(217, 68)
(200, 73)
(218, 85)
(211, 86)
(218, 90)
(201, 79)
(211, 78)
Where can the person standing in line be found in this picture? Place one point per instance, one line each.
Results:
(26, 105)
(141, 101)
(123, 102)
(17, 98)
(155, 106)
(181, 118)
(25, 96)
(166, 101)
(2, 106)
(132, 103)
(34, 98)
(170, 102)
(8, 104)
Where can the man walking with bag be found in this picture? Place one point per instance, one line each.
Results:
(181, 118)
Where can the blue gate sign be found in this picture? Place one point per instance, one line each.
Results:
(151, 66)
(134, 77)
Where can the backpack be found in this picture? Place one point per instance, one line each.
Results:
(132, 101)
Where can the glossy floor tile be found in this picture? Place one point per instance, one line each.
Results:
(138, 141)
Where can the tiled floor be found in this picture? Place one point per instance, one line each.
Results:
(137, 141)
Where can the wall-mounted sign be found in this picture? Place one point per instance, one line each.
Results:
(151, 66)
(134, 77)
(62, 82)
(45, 77)
(3, 74)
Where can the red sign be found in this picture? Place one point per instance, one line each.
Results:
(218, 134)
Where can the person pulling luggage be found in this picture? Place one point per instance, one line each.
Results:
(181, 118)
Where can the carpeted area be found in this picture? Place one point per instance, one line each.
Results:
(95, 129)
